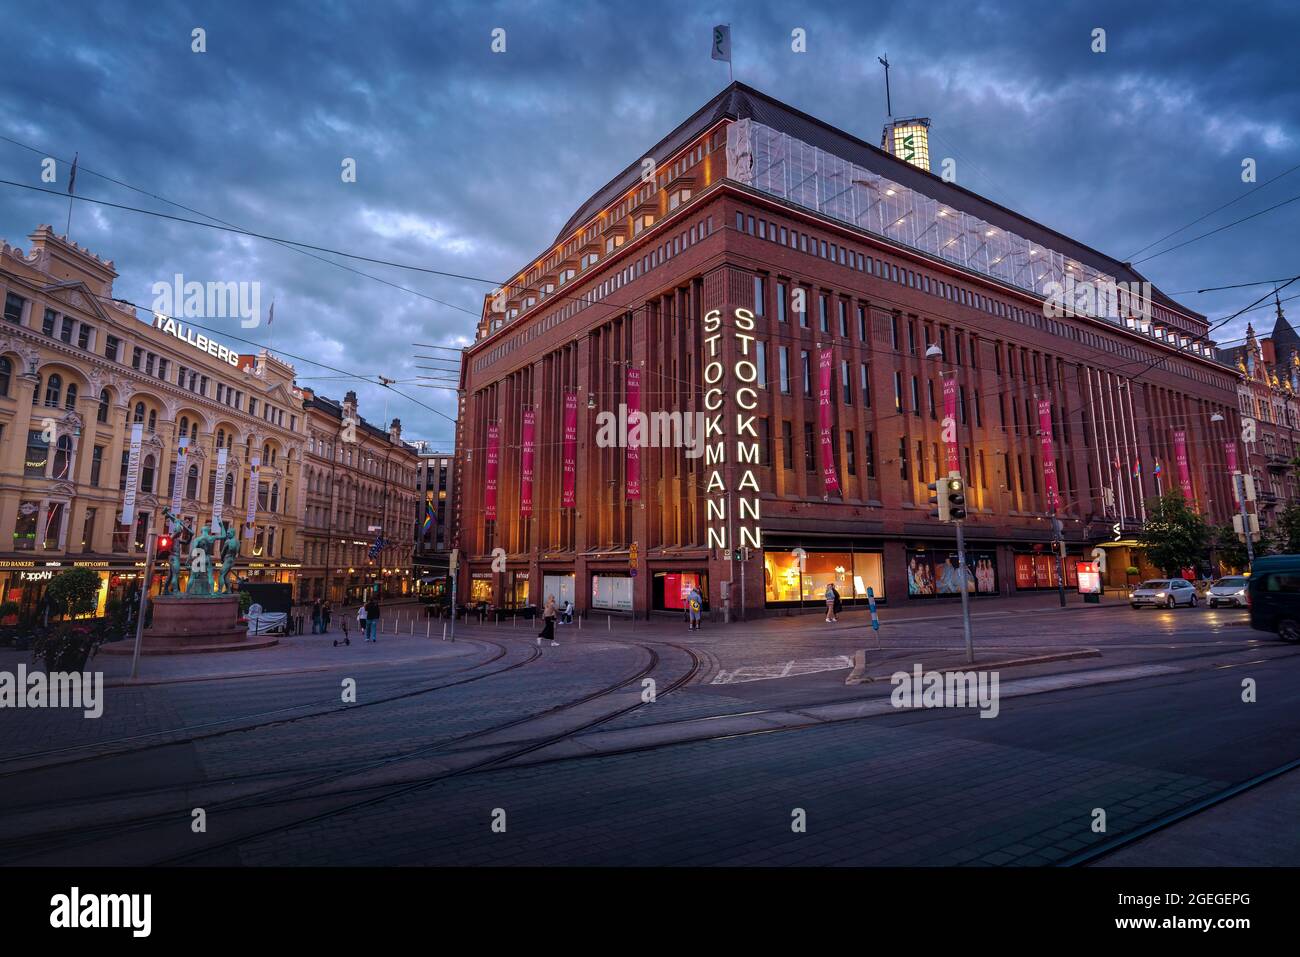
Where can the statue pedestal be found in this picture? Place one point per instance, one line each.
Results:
(192, 624)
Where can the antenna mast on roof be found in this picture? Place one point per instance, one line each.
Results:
(889, 106)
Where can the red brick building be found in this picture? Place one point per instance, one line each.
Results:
(717, 274)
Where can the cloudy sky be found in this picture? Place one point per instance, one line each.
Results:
(468, 161)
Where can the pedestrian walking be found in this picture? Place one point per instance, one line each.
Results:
(372, 620)
(361, 622)
(832, 602)
(566, 616)
(694, 608)
(548, 622)
(325, 615)
(315, 617)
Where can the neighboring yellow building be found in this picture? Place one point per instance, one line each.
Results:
(77, 370)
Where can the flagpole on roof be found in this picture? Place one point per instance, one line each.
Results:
(72, 183)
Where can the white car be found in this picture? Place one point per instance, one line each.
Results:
(1230, 591)
(1164, 593)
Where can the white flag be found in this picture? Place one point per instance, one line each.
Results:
(722, 42)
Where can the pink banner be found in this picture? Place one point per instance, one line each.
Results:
(1230, 450)
(950, 423)
(493, 459)
(1049, 454)
(633, 438)
(1180, 456)
(526, 464)
(568, 500)
(829, 478)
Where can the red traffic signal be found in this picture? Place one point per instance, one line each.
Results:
(164, 546)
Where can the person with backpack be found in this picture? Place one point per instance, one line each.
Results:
(694, 608)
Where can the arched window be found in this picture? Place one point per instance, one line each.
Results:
(275, 497)
(192, 482)
(221, 437)
(70, 400)
(138, 416)
(194, 432)
(53, 390)
(153, 419)
(62, 457)
(6, 370)
(185, 426)
(146, 474)
(230, 440)
(102, 414)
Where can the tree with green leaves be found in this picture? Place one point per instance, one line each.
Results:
(1230, 550)
(74, 591)
(1174, 536)
(1284, 534)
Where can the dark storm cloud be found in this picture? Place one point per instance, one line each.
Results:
(469, 161)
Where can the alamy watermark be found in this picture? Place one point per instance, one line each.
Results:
(58, 689)
(652, 430)
(952, 689)
(1082, 297)
(208, 300)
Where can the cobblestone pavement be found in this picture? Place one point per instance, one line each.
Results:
(932, 788)
(928, 789)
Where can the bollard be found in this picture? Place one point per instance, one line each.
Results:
(580, 621)
(609, 622)
(444, 631)
(428, 628)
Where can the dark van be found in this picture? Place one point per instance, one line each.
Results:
(1274, 596)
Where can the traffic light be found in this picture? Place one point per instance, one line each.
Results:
(939, 500)
(164, 548)
(956, 496)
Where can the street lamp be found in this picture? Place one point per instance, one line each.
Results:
(934, 352)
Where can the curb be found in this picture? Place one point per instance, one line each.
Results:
(859, 676)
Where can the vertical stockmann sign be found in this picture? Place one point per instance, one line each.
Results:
(253, 492)
(741, 386)
(132, 474)
(219, 493)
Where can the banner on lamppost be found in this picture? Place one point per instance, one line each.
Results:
(1230, 451)
(493, 459)
(132, 473)
(254, 490)
(1049, 454)
(830, 480)
(633, 432)
(178, 473)
(569, 498)
(219, 493)
(1184, 471)
(526, 464)
(950, 424)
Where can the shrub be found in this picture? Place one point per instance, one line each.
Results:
(73, 592)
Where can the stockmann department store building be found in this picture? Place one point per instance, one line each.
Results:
(77, 371)
(832, 303)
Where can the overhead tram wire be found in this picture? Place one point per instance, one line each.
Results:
(198, 212)
(1230, 202)
(1219, 229)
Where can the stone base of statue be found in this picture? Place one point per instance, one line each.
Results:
(185, 624)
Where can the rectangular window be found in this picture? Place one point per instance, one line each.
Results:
(65, 331)
(83, 336)
(784, 355)
(14, 307)
(871, 454)
(850, 454)
(787, 445)
(25, 525)
(903, 472)
(864, 384)
(780, 302)
(823, 321)
(862, 323)
(38, 454)
(809, 452)
(111, 345)
(759, 296)
(760, 361)
(807, 371)
(846, 382)
(50, 322)
(898, 392)
(916, 396)
(96, 464)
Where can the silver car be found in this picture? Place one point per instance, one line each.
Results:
(1230, 591)
(1164, 593)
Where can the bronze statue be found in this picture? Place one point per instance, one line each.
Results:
(229, 552)
(201, 563)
